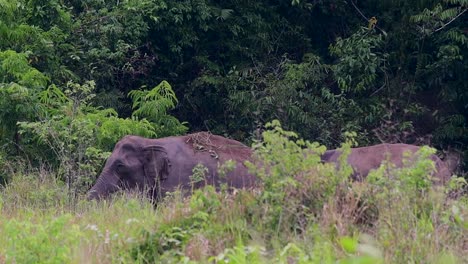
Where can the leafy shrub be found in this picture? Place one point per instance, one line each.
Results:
(19, 87)
(360, 61)
(295, 184)
(196, 228)
(293, 92)
(169, 241)
(153, 105)
(409, 207)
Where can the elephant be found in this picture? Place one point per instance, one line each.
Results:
(159, 166)
(365, 159)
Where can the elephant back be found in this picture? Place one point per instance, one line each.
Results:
(218, 147)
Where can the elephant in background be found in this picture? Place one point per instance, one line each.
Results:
(365, 159)
(162, 165)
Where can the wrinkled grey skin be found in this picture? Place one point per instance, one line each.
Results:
(365, 159)
(162, 165)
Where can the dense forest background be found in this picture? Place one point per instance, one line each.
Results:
(75, 76)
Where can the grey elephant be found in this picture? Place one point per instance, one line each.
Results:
(365, 159)
(158, 166)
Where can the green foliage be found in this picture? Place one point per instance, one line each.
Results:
(19, 85)
(40, 29)
(198, 174)
(241, 254)
(415, 175)
(169, 241)
(293, 93)
(446, 65)
(71, 124)
(226, 167)
(359, 61)
(310, 64)
(237, 66)
(276, 141)
(50, 241)
(15, 68)
(111, 46)
(419, 212)
(153, 105)
(431, 21)
(292, 189)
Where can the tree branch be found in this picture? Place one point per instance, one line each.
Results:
(359, 11)
(367, 19)
(451, 20)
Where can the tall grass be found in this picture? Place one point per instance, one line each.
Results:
(303, 212)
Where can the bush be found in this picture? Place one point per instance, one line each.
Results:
(295, 184)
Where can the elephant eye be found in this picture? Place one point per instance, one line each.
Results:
(120, 168)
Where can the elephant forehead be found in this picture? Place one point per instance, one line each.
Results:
(125, 146)
(125, 157)
(130, 160)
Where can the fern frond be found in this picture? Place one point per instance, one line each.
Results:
(448, 14)
(153, 106)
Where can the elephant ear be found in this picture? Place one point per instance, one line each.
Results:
(157, 163)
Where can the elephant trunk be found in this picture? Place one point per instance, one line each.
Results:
(106, 184)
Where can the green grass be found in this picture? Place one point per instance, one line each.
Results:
(357, 224)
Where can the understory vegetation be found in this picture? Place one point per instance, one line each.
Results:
(304, 211)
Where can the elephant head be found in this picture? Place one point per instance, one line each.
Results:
(133, 164)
